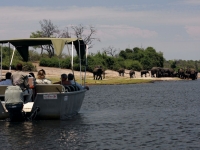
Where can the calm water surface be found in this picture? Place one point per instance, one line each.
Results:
(160, 115)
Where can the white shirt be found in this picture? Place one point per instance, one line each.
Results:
(43, 81)
(6, 82)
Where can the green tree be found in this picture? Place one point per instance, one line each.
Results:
(173, 64)
(155, 59)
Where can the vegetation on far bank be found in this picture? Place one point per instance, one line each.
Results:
(136, 59)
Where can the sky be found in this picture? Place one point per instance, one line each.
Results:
(169, 26)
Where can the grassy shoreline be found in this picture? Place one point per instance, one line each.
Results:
(109, 81)
(114, 81)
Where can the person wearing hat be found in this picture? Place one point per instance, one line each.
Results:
(41, 78)
(63, 80)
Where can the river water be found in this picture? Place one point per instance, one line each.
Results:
(160, 115)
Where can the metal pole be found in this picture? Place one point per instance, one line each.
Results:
(72, 54)
(9, 50)
(80, 62)
(73, 60)
(1, 60)
(12, 59)
(85, 62)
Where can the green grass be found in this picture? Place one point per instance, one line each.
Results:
(117, 81)
(109, 81)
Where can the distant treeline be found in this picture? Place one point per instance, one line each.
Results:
(136, 59)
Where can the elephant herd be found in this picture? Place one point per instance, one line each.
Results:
(190, 73)
(131, 73)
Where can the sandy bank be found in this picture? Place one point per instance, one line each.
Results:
(56, 72)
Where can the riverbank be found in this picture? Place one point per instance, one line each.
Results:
(111, 77)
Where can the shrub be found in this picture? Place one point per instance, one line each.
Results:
(135, 65)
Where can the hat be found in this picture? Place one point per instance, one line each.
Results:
(64, 76)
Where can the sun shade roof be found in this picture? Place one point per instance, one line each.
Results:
(22, 45)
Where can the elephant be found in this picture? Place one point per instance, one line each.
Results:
(97, 73)
(132, 73)
(171, 72)
(181, 72)
(186, 75)
(166, 72)
(144, 72)
(175, 74)
(121, 71)
(156, 71)
(192, 72)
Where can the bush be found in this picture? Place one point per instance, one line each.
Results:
(34, 56)
(66, 63)
(130, 64)
(50, 62)
(28, 66)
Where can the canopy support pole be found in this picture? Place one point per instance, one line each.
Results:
(72, 56)
(86, 62)
(12, 59)
(72, 61)
(81, 81)
(1, 60)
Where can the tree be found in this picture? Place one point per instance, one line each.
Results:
(89, 38)
(122, 54)
(47, 30)
(152, 58)
(173, 64)
(110, 51)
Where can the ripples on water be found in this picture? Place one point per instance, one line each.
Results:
(160, 115)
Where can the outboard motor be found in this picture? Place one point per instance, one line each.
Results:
(14, 102)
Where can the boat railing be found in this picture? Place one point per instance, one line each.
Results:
(55, 88)
(49, 88)
(71, 88)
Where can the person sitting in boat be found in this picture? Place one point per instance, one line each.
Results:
(31, 74)
(63, 80)
(41, 78)
(20, 78)
(8, 80)
(71, 80)
(32, 79)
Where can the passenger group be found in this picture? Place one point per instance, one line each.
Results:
(18, 77)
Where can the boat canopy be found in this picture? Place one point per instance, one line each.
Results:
(22, 45)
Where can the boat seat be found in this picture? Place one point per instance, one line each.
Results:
(2, 90)
(49, 88)
(3, 108)
(71, 88)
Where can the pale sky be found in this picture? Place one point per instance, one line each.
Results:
(169, 26)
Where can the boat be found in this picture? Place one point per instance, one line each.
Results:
(51, 101)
